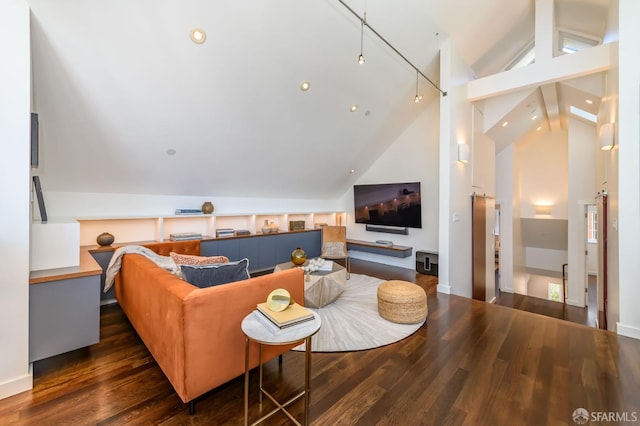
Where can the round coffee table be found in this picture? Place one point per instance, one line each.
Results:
(320, 287)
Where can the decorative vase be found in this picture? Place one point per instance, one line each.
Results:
(105, 239)
(298, 256)
(207, 207)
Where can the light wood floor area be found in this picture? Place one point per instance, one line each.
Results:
(472, 363)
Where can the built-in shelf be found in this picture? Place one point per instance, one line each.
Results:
(159, 228)
(372, 247)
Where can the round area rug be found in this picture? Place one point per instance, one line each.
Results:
(352, 322)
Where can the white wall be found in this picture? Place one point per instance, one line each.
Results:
(412, 157)
(629, 172)
(457, 126)
(505, 197)
(543, 173)
(81, 204)
(583, 147)
(15, 106)
(538, 286)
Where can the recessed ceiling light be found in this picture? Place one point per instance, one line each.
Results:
(305, 86)
(534, 117)
(538, 128)
(352, 171)
(171, 151)
(505, 124)
(198, 36)
(589, 101)
(353, 108)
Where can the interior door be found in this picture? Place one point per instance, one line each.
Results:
(602, 260)
(479, 247)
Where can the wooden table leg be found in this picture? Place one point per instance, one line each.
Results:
(260, 361)
(246, 382)
(307, 378)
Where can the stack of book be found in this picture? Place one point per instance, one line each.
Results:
(188, 211)
(283, 320)
(225, 232)
(182, 236)
(243, 232)
(326, 266)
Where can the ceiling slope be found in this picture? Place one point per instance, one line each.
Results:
(129, 104)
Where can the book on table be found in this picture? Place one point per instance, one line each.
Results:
(293, 315)
(326, 266)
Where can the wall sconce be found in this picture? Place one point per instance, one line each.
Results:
(607, 136)
(543, 210)
(463, 153)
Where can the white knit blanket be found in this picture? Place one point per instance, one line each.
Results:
(164, 262)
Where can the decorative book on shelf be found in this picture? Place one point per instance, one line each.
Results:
(181, 236)
(293, 315)
(188, 211)
(225, 232)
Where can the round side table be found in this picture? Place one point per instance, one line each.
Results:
(255, 331)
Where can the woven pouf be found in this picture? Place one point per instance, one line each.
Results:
(402, 302)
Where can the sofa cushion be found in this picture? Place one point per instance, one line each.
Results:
(216, 274)
(186, 259)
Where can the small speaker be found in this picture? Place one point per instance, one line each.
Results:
(34, 139)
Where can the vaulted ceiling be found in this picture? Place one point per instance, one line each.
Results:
(128, 103)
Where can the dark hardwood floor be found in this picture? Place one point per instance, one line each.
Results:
(471, 363)
(536, 305)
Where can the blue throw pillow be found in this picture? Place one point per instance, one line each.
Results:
(216, 274)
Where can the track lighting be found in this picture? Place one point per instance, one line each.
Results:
(362, 21)
(418, 97)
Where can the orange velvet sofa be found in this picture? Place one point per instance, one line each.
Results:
(194, 333)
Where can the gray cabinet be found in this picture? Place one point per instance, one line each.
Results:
(103, 258)
(63, 315)
(264, 251)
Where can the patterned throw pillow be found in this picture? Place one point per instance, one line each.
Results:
(333, 249)
(186, 259)
(190, 260)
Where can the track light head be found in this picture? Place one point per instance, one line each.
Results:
(361, 57)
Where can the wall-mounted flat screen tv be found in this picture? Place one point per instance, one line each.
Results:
(388, 204)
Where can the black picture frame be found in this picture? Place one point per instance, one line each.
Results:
(35, 138)
(38, 188)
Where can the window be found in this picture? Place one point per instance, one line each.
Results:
(583, 114)
(526, 57)
(555, 291)
(571, 43)
(592, 225)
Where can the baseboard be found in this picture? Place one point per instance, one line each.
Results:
(108, 302)
(17, 385)
(628, 330)
(493, 300)
(442, 288)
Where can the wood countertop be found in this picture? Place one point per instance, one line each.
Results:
(87, 267)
